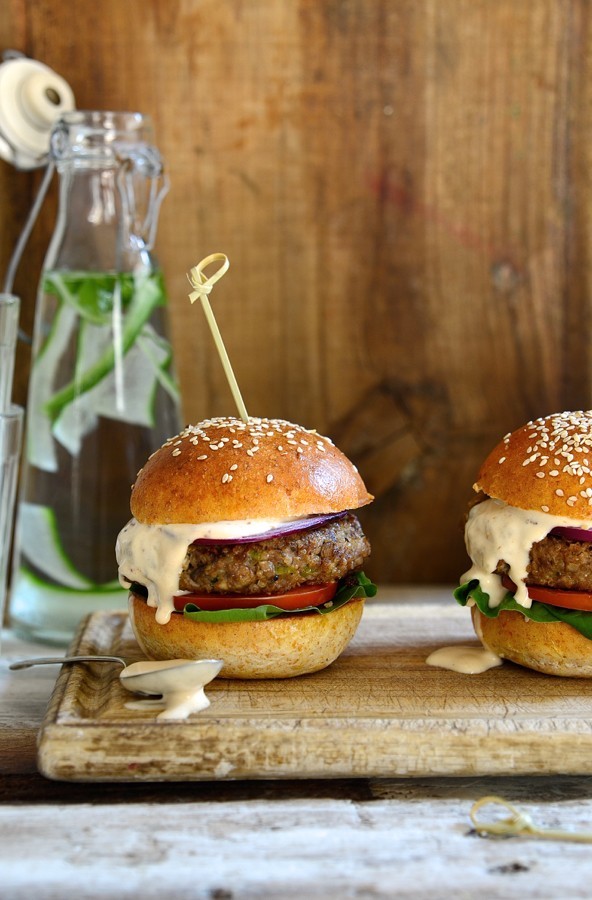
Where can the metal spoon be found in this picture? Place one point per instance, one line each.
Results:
(50, 660)
(145, 677)
(180, 683)
(169, 676)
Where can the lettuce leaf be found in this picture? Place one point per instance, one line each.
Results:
(355, 585)
(538, 612)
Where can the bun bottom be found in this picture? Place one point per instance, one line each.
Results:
(276, 648)
(554, 648)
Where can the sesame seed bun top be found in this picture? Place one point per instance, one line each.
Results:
(224, 469)
(545, 465)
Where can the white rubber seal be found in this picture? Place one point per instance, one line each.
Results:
(32, 98)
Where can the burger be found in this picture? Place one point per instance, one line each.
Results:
(529, 537)
(244, 546)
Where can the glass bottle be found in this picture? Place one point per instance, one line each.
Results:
(102, 393)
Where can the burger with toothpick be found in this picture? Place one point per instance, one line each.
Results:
(244, 545)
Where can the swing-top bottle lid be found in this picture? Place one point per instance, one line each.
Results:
(32, 98)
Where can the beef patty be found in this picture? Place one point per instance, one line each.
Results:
(314, 556)
(555, 562)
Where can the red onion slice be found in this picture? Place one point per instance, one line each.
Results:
(573, 534)
(280, 531)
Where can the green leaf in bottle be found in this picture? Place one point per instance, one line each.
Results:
(120, 359)
(147, 295)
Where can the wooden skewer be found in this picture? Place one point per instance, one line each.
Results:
(518, 824)
(202, 286)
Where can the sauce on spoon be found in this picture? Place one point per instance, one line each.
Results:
(178, 683)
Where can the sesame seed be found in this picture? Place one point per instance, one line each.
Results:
(545, 508)
(225, 477)
(554, 473)
(501, 459)
(559, 492)
(540, 474)
(216, 433)
(176, 452)
(269, 478)
(233, 467)
(566, 439)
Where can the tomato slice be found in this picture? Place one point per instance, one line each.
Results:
(554, 596)
(313, 595)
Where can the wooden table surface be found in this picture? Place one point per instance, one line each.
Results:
(331, 838)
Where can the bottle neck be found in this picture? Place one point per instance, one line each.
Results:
(93, 229)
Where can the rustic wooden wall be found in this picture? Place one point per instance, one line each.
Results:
(403, 189)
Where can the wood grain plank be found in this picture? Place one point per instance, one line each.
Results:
(378, 711)
(416, 841)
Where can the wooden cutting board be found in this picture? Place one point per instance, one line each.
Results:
(378, 711)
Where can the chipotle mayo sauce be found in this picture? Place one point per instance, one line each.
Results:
(497, 531)
(153, 555)
(468, 660)
(179, 682)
